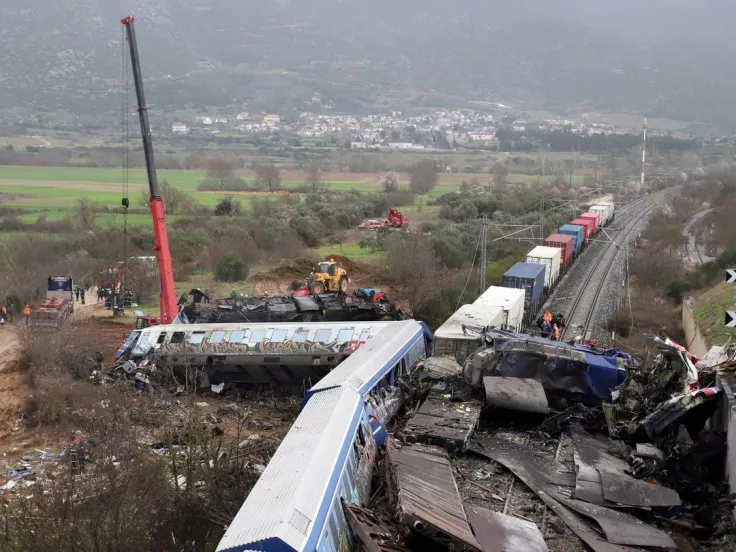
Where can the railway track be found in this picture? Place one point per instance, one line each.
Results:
(582, 311)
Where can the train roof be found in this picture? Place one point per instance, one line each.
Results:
(320, 332)
(360, 369)
(289, 498)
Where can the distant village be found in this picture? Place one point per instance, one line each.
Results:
(440, 129)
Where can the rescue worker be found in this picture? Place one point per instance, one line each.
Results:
(546, 329)
(77, 292)
(555, 332)
(547, 317)
(27, 312)
(81, 294)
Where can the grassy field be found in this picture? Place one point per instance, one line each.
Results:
(710, 308)
(52, 192)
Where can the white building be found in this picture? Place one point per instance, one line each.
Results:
(179, 128)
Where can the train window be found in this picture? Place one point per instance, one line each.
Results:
(403, 370)
(343, 336)
(278, 336)
(177, 337)
(257, 336)
(196, 338)
(300, 336)
(238, 336)
(365, 334)
(217, 336)
(161, 338)
(333, 522)
(361, 436)
(322, 336)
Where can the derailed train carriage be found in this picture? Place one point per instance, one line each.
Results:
(328, 455)
(266, 353)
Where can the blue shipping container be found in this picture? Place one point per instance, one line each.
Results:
(578, 234)
(530, 278)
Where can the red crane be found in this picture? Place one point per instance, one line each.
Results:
(168, 307)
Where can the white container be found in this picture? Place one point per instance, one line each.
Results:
(510, 299)
(551, 258)
(605, 210)
(449, 339)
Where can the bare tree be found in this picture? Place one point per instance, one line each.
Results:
(85, 214)
(268, 175)
(314, 177)
(413, 266)
(143, 280)
(220, 169)
(424, 176)
(390, 181)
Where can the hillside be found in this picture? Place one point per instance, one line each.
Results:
(666, 58)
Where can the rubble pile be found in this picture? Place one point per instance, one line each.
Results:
(496, 458)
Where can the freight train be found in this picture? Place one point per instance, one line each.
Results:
(524, 286)
(544, 265)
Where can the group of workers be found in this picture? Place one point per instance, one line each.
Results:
(550, 327)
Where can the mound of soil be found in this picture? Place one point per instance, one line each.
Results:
(344, 262)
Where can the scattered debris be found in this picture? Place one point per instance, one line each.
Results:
(442, 421)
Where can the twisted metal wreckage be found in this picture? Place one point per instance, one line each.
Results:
(662, 468)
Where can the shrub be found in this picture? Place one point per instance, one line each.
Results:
(231, 268)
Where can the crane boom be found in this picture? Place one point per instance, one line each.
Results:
(168, 307)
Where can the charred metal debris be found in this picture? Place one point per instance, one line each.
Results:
(536, 446)
(359, 305)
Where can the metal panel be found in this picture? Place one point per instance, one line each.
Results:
(498, 532)
(427, 495)
(525, 395)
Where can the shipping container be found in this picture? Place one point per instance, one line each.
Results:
(551, 258)
(530, 278)
(596, 218)
(511, 300)
(578, 234)
(587, 224)
(605, 211)
(565, 243)
(450, 339)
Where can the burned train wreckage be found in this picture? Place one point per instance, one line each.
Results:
(362, 305)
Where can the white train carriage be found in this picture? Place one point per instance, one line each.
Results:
(261, 353)
(373, 370)
(328, 455)
(296, 505)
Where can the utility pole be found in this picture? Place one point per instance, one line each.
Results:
(541, 213)
(644, 152)
(483, 258)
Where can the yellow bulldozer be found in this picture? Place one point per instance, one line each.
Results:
(328, 277)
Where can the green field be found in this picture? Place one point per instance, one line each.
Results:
(52, 192)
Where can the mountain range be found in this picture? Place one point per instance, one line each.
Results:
(668, 58)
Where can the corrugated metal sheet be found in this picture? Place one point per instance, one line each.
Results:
(361, 365)
(427, 492)
(288, 495)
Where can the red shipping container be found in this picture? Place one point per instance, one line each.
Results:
(585, 223)
(595, 217)
(564, 242)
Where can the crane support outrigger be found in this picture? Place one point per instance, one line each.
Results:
(168, 306)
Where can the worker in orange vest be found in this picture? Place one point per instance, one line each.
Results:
(27, 312)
